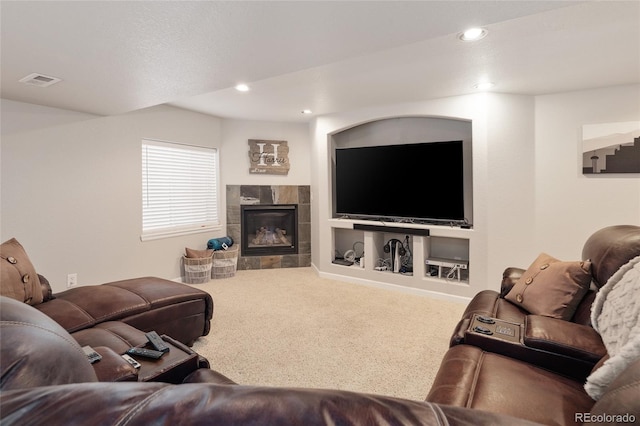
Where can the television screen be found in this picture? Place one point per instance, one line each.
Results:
(417, 182)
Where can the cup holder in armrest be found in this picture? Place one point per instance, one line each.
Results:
(494, 335)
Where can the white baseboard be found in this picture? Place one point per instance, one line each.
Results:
(394, 287)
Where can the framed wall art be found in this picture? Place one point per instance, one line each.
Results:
(268, 157)
(611, 148)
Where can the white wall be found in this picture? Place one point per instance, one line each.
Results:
(235, 151)
(70, 182)
(510, 183)
(71, 188)
(71, 192)
(570, 205)
(19, 117)
(530, 194)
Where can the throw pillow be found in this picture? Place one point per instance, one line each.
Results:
(551, 287)
(198, 254)
(18, 277)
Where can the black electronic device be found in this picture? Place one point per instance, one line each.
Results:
(426, 182)
(146, 353)
(92, 355)
(157, 341)
(391, 246)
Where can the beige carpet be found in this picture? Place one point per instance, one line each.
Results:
(288, 327)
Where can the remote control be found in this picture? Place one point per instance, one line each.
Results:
(157, 341)
(147, 353)
(91, 354)
(131, 361)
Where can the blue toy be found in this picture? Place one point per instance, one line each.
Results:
(222, 243)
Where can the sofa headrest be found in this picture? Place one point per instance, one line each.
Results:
(609, 249)
(36, 351)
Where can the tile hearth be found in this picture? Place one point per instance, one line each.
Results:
(238, 195)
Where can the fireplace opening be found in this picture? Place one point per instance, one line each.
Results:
(269, 229)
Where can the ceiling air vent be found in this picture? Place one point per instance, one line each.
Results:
(39, 80)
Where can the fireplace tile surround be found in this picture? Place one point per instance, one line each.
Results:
(238, 195)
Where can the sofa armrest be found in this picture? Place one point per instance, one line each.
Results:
(204, 403)
(112, 367)
(487, 303)
(566, 348)
(563, 337)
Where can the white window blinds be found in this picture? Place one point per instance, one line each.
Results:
(179, 189)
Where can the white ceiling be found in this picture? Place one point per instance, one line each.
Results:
(328, 56)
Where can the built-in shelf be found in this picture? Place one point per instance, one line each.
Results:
(368, 240)
(339, 234)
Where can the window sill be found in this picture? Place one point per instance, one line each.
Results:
(182, 232)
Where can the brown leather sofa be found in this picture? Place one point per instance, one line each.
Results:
(538, 371)
(480, 382)
(112, 317)
(149, 303)
(45, 378)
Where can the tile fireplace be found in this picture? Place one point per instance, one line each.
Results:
(259, 219)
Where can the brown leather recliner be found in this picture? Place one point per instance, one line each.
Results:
(540, 376)
(148, 303)
(112, 317)
(607, 249)
(45, 378)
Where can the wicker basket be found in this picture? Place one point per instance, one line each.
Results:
(197, 270)
(225, 263)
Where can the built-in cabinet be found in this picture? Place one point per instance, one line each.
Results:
(441, 256)
(437, 258)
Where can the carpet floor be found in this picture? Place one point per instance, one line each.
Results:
(289, 327)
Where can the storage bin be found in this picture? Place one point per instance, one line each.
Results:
(197, 270)
(225, 263)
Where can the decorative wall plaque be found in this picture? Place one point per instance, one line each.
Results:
(268, 157)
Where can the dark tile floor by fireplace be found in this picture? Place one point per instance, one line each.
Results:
(238, 195)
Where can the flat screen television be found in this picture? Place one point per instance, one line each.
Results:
(418, 182)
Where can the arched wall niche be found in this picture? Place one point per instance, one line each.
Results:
(408, 129)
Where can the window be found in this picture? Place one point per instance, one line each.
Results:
(179, 189)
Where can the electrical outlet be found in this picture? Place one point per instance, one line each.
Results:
(72, 280)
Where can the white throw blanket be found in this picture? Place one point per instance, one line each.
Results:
(615, 314)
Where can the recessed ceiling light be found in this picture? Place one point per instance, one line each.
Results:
(306, 111)
(486, 85)
(473, 34)
(242, 87)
